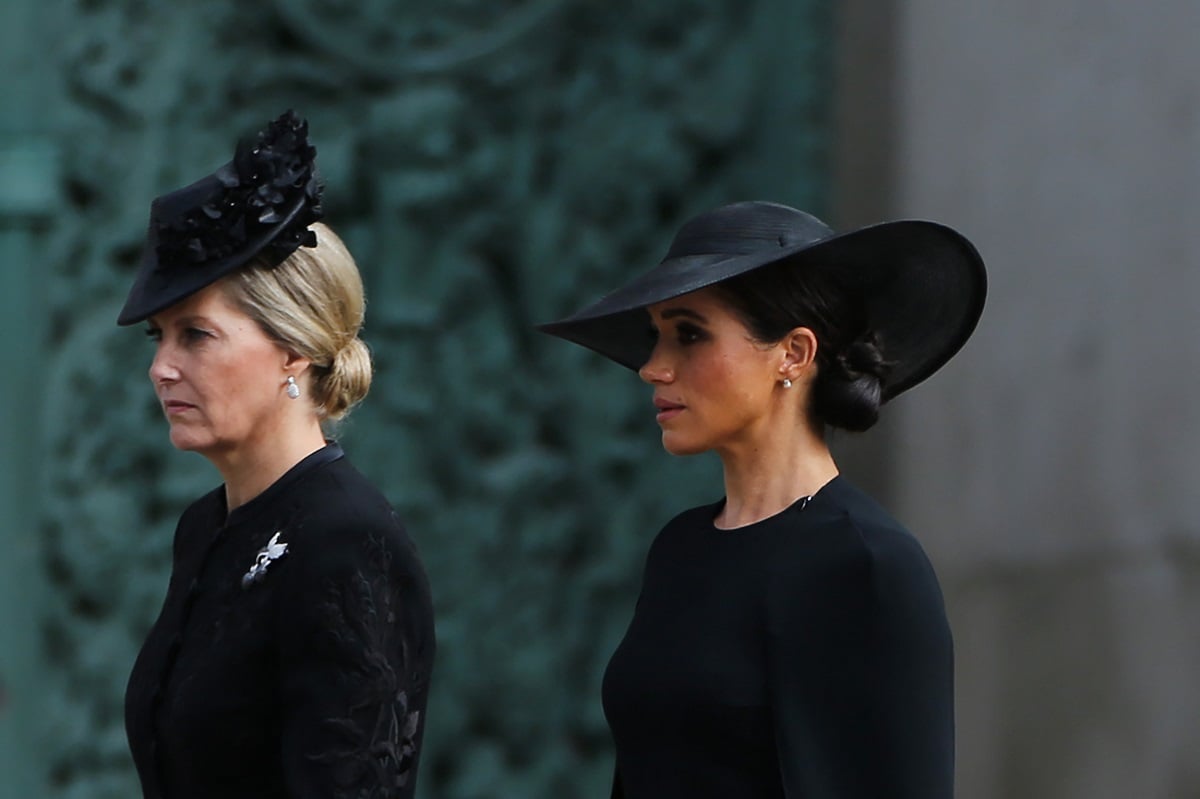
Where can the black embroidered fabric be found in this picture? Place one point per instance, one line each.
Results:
(310, 683)
(374, 744)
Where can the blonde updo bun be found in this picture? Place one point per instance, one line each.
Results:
(312, 304)
(347, 380)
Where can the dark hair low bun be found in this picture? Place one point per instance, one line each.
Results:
(849, 386)
(851, 368)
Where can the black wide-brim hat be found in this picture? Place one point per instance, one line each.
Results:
(256, 207)
(923, 284)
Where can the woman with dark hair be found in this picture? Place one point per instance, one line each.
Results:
(790, 640)
(292, 654)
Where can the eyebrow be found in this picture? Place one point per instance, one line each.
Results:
(195, 319)
(688, 313)
(183, 321)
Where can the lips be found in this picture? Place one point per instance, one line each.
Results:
(176, 406)
(667, 409)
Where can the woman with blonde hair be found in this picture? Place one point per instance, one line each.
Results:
(291, 658)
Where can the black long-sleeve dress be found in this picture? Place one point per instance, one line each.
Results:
(304, 677)
(805, 656)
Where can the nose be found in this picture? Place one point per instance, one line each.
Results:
(162, 368)
(656, 369)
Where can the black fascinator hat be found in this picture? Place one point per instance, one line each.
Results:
(259, 205)
(922, 283)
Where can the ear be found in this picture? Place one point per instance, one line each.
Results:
(799, 352)
(295, 364)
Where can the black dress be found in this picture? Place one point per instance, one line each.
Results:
(306, 677)
(804, 656)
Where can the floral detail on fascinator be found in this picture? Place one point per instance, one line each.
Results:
(272, 176)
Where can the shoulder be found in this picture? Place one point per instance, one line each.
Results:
(337, 501)
(341, 524)
(337, 490)
(846, 544)
(844, 523)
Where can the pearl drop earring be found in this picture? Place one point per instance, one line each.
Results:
(787, 383)
(293, 390)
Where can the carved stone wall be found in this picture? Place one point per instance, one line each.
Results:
(491, 164)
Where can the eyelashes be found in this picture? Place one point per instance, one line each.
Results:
(685, 333)
(190, 335)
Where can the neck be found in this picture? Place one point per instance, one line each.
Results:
(250, 470)
(765, 476)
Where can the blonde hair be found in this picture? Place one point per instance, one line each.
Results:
(312, 304)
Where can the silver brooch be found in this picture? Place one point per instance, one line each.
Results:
(273, 551)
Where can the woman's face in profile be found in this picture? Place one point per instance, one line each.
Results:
(219, 379)
(713, 383)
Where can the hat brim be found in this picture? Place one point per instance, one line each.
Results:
(158, 285)
(923, 284)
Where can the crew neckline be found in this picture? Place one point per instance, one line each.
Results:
(799, 505)
(332, 451)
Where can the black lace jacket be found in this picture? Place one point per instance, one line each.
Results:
(292, 655)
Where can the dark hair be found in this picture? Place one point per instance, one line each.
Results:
(782, 296)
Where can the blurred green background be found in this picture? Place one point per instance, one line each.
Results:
(497, 164)
(491, 165)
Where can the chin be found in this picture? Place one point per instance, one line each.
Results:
(184, 444)
(679, 445)
(188, 441)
